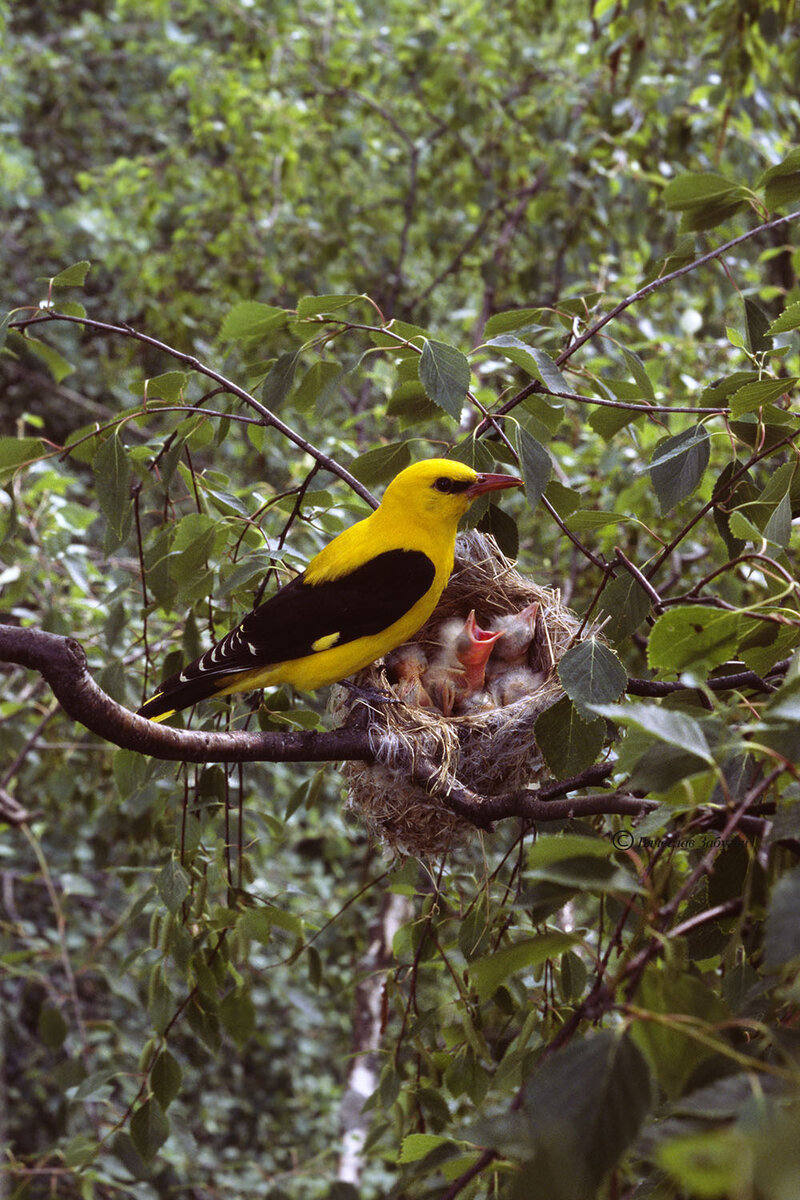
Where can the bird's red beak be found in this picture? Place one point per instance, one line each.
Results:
(491, 483)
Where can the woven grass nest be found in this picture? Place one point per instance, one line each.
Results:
(489, 752)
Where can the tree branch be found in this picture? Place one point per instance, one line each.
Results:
(530, 804)
(267, 416)
(62, 662)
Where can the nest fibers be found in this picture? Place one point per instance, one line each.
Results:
(489, 752)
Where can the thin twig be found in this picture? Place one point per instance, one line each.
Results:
(189, 360)
(670, 277)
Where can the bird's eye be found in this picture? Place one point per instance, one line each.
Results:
(443, 484)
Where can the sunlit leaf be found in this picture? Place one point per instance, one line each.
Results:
(74, 276)
(667, 725)
(486, 974)
(692, 636)
(313, 306)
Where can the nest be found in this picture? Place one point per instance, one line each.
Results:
(489, 752)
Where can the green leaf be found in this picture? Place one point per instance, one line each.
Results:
(51, 1027)
(577, 863)
(512, 318)
(444, 373)
(58, 366)
(725, 497)
(781, 183)
(417, 1145)
(74, 276)
(585, 1105)
(317, 385)
(16, 453)
(787, 321)
(94, 1083)
(589, 520)
(742, 529)
(573, 977)
(624, 604)
(678, 465)
(381, 464)
(172, 884)
(672, 1051)
(639, 373)
(756, 322)
(549, 850)
(314, 306)
(259, 922)
(754, 395)
(250, 319)
(708, 1164)
(785, 704)
(565, 500)
(665, 724)
(503, 529)
(692, 637)
(192, 543)
(590, 673)
(280, 380)
(535, 362)
(238, 1015)
(149, 1128)
(71, 308)
(535, 463)
(165, 1078)
(169, 386)
(110, 465)
(568, 743)
(778, 529)
(782, 931)
(486, 974)
(704, 198)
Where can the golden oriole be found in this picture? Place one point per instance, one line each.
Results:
(366, 592)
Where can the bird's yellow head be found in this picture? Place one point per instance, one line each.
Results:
(438, 491)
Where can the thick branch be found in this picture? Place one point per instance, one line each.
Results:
(62, 662)
(539, 804)
(719, 683)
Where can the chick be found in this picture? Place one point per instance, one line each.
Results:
(406, 665)
(514, 683)
(476, 703)
(445, 679)
(458, 670)
(517, 630)
(473, 647)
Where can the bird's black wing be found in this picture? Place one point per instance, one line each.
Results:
(358, 604)
(293, 622)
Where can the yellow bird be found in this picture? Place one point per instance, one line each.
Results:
(366, 592)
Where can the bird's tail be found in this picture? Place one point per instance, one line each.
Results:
(176, 693)
(154, 708)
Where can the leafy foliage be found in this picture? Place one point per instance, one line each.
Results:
(324, 242)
